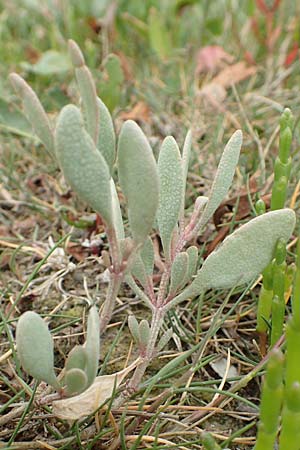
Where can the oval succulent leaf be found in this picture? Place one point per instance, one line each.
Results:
(83, 166)
(144, 333)
(77, 358)
(35, 348)
(138, 270)
(34, 111)
(77, 57)
(143, 264)
(245, 253)
(87, 90)
(92, 344)
(133, 326)
(186, 153)
(170, 190)
(116, 212)
(192, 263)
(178, 272)
(147, 255)
(76, 381)
(138, 179)
(224, 176)
(106, 139)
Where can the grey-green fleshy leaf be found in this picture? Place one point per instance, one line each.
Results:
(144, 262)
(34, 111)
(87, 90)
(186, 153)
(245, 253)
(35, 348)
(138, 179)
(116, 212)
(77, 358)
(147, 255)
(138, 270)
(170, 190)
(144, 333)
(178, 271)
(92, 344)
(133, 326)
(76, 381)
(83, 165)
(192, 263)
(224, 176)
(106, 138)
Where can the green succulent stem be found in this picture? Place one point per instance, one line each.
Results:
(296, 289)
(283, 163)
(290, 429)
(282, 170)
(278, 303)
(271, 401)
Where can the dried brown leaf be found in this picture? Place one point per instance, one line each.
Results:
(84, 404)
(234, 74)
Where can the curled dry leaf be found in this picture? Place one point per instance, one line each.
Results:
(84, 404)
(234, 74)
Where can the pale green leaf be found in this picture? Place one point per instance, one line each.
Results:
(106, 137)
(144, 332)
(133, 326)
(76, 54)
(186, 153)
(87, 90)
(245, 253)
(224, 176)
(170, 191)
(92, 344)
(193, 260)
(116, 212)
(144, 262)
(138, 179)
(76, 381)
(178, 271)
(111, 81)
(50, 63)
(35, 348)
(34, 111)
(83, 165)
(138, 270)
(147, 255)
(77, 358)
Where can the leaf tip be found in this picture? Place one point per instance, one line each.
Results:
(76, 54)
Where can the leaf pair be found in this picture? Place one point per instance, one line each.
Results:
(82, 363)
(183, 269)
(35, 351)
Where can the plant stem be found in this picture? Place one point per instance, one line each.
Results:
(156, 323)
(109, 302)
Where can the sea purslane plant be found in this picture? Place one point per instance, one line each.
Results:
(83, 142)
